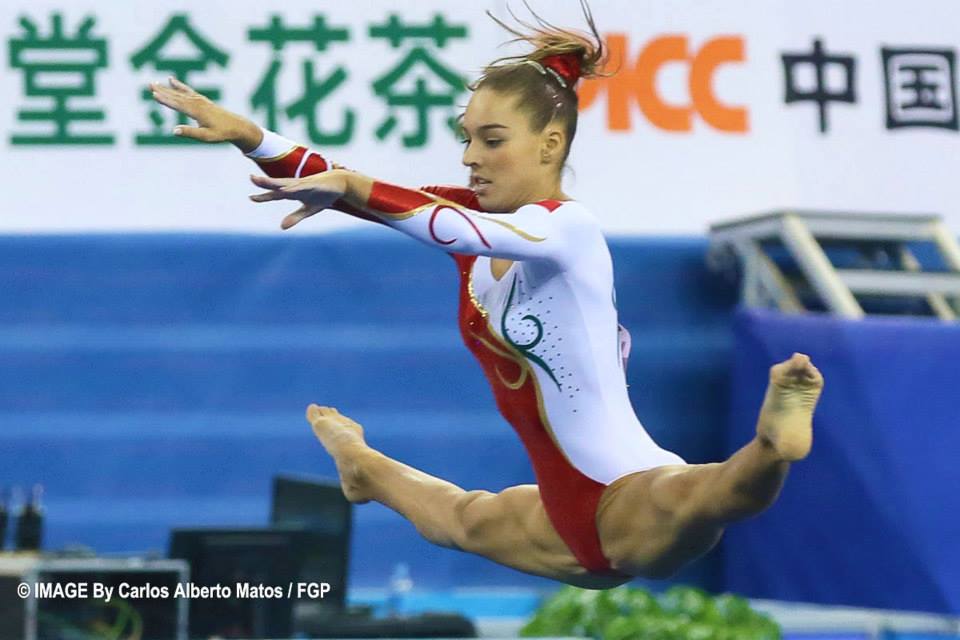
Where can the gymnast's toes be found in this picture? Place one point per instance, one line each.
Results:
(343, 440)
(797, 372)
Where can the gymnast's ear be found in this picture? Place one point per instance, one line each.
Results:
(552, 144)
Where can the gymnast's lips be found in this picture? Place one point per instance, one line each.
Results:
(479, 184)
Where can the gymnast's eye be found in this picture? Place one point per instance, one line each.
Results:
(493, 142)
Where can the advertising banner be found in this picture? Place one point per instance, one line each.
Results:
(716, 109)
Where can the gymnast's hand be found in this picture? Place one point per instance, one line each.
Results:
(216, 123)
(316, 192)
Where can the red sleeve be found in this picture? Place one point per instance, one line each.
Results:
(301, 161)
(461, 195)
(286, 166)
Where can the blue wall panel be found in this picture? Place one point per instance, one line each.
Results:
(160, 380)
(871, 518)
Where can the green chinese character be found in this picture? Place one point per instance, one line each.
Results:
(59, 67)
(180, 65)
(315, 90)
(419, 65)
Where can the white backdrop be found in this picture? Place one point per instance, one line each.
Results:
(641, 179)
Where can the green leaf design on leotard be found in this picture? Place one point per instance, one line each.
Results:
(525, 349)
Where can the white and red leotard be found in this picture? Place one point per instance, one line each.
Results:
(545, 333)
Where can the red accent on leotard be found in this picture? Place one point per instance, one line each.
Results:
(315, 164)
(461, 195)
(550, 205)
(444, 207)
(390, 198)
(286, 167)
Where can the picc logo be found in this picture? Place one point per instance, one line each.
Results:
(638, 81)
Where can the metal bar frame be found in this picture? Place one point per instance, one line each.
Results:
(801, 231)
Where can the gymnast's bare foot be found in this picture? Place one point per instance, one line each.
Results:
(343, 440)
(786, 418)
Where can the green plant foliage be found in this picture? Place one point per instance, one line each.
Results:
(631, 613)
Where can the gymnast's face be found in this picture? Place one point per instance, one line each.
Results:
(510, 165)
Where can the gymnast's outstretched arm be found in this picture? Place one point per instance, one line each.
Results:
(448, 218)
(275, 155)
(532, 232)
(539, 231)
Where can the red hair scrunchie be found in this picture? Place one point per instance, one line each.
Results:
(567, 65)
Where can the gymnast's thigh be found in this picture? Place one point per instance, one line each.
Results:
(512, 528)
(647, 524)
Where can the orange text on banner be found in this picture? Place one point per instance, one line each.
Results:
(639, 82)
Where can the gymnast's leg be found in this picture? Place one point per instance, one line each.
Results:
(653, 522)
(510, 527)
(750, 480)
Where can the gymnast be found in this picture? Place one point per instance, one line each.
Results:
(537, 310)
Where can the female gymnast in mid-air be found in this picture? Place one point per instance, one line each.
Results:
(537, 310)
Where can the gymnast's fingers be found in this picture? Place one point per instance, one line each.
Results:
(180, 86)
(269, 196)
(196, 133)
(164, 96)
(300, 214)
(176, 101)
(266, 182)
